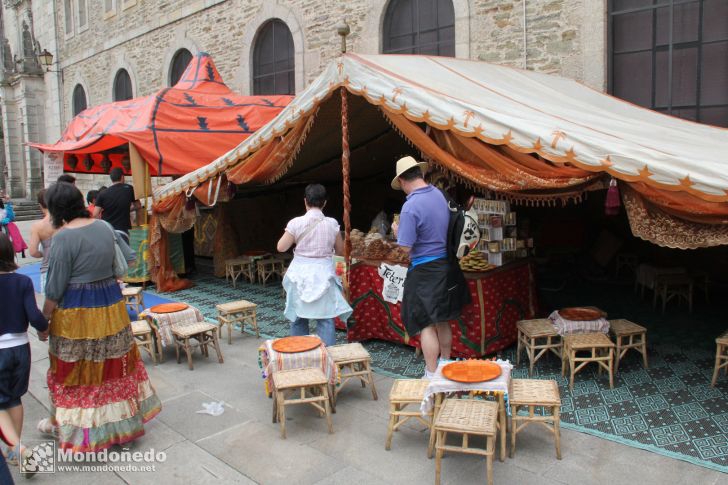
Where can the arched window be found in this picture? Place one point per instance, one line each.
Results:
(179, 63)
(273, 64)
(79, 99)
(122, 86)
(419, 27)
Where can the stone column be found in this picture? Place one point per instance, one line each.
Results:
(14, 170)
(32, 123)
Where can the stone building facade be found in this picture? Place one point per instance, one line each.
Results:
(92, 39)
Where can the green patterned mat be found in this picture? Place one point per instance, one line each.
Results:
(669, 408)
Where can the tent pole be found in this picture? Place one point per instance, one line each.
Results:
(346, 176)
(147, 183)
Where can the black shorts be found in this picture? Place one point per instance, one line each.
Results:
(433, 292)
(14, 375)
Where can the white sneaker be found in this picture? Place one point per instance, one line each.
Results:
(428, 375)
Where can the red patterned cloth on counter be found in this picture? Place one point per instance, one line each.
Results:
(499, 297)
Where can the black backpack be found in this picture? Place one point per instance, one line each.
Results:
(463, 232)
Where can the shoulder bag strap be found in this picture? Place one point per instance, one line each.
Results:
(308, 230)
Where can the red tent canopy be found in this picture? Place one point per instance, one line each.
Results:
(176, 130)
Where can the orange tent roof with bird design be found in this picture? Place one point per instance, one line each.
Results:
(176, 130)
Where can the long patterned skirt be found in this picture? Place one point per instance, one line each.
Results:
(100, 391)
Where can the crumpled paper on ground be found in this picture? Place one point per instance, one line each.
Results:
(212, 408)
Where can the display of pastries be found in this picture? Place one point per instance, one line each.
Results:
(475, 262)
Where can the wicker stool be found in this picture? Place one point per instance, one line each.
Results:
(529, 333)
(285, 257)
(405, 392)
(243, 266)
(355, 359)
(144, 337)
(532, 393)
(134, 298)
(192, 335)
(626, 260)
(269, 267)
(600, 347)
(301, 380)
(233, 312)
(466, 417)
(669, 286)
(721, 357)
(701, 282)
(628, 335)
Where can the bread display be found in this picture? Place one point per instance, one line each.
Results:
(373, 246)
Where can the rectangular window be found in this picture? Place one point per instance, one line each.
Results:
(82, 15)
(68, 16)
(109, 8)
(671, 56)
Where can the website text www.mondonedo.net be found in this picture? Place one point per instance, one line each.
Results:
(127, 468)
(46, 458)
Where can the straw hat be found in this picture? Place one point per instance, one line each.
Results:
(404, 164)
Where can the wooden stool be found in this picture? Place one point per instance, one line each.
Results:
(669, 286)
(721, 357)
(532, 393)
(286, 258)
(628, 335)
(241, 311)
(144, 337)
(701, 281)
(301, 380)
(202, 335)
(466, 417)
(529, 333)
(243, 266)
(355, 359)
(405, 392)
(134, 298)
(626, 260)
(269, 267)
(602, 353)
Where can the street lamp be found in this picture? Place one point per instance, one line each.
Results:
(46, 60)
(343, 30)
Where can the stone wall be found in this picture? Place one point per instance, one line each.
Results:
(561, 36)
(566, 37)
(144, 36)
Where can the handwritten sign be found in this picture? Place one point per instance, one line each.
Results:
(52, 167)
(393, 276)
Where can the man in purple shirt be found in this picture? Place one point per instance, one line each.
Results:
(435, 289)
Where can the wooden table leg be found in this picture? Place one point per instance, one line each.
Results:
(502, 419)
(431, 443)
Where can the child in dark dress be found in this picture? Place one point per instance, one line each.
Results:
(18, 309)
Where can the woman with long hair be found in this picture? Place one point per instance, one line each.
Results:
(41, 234)
(100, 392)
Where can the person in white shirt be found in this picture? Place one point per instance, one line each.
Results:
(313, 291)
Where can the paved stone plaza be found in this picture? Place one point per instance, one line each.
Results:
(244, 446)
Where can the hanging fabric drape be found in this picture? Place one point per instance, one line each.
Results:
(160, 264)
(656, 218)
(273, 160)
(483, 166)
